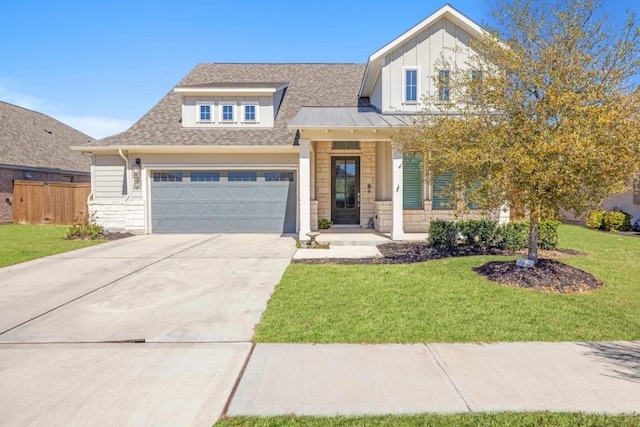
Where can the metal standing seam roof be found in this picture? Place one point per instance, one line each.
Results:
(347, 117)
(35, 140)
(307, 85)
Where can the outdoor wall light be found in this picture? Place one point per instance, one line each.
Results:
(136, 173)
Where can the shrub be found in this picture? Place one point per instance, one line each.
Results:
(613, 220)
(443, 235)
(616, 220)
(90, 231)
(595, 220)
(324, 223)
(548, 237)
(478, 233)
(512, 236)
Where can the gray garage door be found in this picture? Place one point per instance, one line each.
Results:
(223, 201)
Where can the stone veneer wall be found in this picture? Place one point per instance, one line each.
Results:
(383, 216)
(418, 220)
(119, 215)
(314, 215)
(367, 154)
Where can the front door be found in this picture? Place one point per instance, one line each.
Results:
(345, 190)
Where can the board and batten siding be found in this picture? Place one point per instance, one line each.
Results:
(424, 50)
(110, 177)
(190, 110)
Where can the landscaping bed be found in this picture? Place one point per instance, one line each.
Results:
(548, 274)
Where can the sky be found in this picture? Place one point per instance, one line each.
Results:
(99, 66)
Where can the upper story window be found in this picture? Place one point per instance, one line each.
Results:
(205, 113)
(227, 112)
(410, 84)
(443, 85)
(476, 82)
(250, 112)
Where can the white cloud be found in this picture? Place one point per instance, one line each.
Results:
(96, 127)
(22, 100)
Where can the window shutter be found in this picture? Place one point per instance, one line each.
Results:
(441, 184)
(473, 205)
(412, 183)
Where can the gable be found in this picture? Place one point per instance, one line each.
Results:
(419, 47)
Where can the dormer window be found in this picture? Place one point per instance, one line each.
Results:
(227, 112)
(231, 104)
(205, 113)
(411, 89)
(250, 112)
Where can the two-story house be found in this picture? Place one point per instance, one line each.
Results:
(278, 147)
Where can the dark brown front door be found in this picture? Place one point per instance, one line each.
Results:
(345, 190)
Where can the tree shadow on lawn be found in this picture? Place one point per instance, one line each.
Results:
(622, 358)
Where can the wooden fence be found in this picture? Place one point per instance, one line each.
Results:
(37, 202)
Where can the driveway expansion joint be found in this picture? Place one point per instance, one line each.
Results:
(442, 365)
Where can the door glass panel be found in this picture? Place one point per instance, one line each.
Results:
(351, 200)
(340, 202)
(350, 167)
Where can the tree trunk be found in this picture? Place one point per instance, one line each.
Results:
(534, 231)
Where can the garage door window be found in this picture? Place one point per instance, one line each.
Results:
(278, 176)
(205, 176)
(167, 176)
(242, 176)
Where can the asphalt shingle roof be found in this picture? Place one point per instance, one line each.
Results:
(29, 138)
(308, 85)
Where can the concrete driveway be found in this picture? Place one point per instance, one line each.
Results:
(150, 330)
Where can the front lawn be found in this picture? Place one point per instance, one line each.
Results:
(533, 419)
(445, 301)
(19, 243)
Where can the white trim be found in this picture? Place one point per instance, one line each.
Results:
(229, 90)
(244, 104)
(304, 187)
(404, 85)
(113, 149)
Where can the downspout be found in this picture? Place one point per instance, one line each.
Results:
(90, 196)
(126, 165)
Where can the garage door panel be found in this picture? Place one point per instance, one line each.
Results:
(223, 206)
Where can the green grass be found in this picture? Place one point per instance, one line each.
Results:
(445, 301)
(19, 243)
(533, 419)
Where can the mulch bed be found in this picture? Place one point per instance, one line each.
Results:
(104, 236)
(547, 275)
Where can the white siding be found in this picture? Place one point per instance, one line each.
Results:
(227, 160)
(110, 177)
(424, 51)
(190, 111)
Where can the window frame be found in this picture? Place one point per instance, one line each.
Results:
(212, 109)
(476, 77)
(233, 112)
(444, 85)
(256, 107)
(405, 70)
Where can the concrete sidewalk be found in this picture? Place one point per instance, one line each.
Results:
(351, 379)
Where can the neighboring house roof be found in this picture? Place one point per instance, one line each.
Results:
(307, 85)
(376, 60)
(35, 140)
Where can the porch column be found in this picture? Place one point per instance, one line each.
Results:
(305, 188)
(397, 228)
